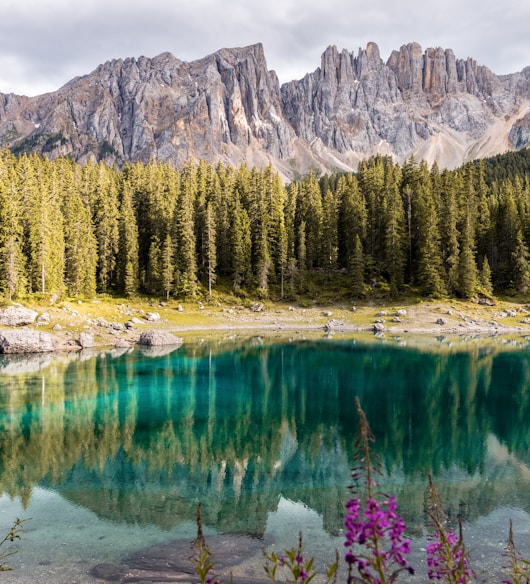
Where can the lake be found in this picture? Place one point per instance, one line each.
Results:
(108, 453)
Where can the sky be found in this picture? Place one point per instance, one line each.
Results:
(45, 43)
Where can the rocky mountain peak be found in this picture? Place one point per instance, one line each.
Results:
(229, 106)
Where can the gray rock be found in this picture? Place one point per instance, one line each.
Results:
(25, 341)
(401, 312)
(152, 316)
(378, 327)
(57, 327)
(180, 308)
(155, 338)
(43, 319)
(258, 307)
(86, 340)
(440, 321)
(333, 324)
(17, 316)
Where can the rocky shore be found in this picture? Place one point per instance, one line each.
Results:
(77, 326)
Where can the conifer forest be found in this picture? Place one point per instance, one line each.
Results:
(151, 229)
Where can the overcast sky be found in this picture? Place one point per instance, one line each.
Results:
(45, 43)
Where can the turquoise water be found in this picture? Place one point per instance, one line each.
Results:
(108, 453)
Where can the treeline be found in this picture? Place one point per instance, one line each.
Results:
(78, 230)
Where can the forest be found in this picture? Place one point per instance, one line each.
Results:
(151, 229)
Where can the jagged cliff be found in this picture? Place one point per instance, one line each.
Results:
(228, 106)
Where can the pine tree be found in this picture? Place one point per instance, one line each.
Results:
(12, 261)
(102, 186)
(485, 277)
(44, 225)
(186, 257)
(357, 268)
(153, 272)
(128, 268)
(167, 266)
(80, 245)
(330, 236)
(395, 243)
(521, 265)
(241, 245)
(450, 235)
(210, 249)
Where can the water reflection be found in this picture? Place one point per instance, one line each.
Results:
(141, 439)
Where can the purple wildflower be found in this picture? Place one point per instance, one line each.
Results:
(446, 558)
(379, 529)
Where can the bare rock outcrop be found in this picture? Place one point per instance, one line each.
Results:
(228, 106)
(25, 341)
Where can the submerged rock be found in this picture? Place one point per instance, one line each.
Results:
(171, 562)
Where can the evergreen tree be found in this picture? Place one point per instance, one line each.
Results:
(210, 234)
(485, 277)
(186, 257)
(128, 268)
(167, 266)
(241, 245)
(44, 225)
(450, 235)
(357, 268)
(330, 236)
(101, 186)
(521, 265)
(80, 245)
(153, 272)
(12, 261)
(394, 244)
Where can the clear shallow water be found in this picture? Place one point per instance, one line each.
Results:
(110, 453)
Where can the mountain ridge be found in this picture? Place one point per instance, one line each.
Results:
(228, 106)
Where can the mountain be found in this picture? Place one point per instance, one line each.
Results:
(228, 106)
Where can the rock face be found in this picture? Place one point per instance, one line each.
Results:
(25, 341)
(228, 106)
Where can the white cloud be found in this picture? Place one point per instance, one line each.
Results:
(44, 43)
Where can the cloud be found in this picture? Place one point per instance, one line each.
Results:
(45, 43)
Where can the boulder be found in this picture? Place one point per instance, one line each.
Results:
(379, 327)
(154, 338)
(17, 316)
(43, 319)
(334, 325)
(25, 341)
(86, 340)
(152, 316)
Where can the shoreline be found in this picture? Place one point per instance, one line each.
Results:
(114, 325)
